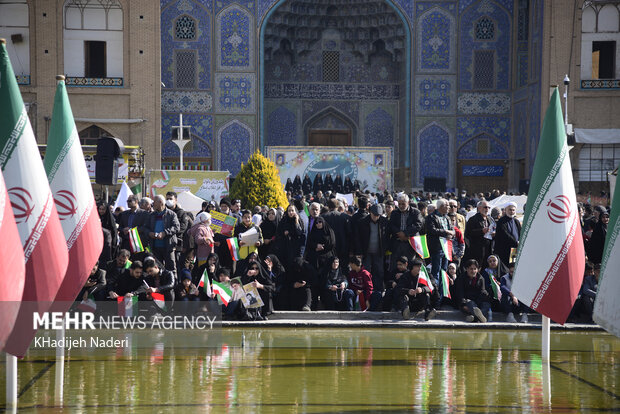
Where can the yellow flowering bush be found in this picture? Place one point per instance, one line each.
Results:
(258, 183)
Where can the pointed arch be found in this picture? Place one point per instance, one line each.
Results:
(434, 158)
(327, 112)
(496, 148)
(234, 39)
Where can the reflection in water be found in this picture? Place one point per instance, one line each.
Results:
(338, 371)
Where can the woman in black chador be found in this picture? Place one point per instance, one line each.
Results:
(318, 183)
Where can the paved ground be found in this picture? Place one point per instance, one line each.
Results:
(445, 319)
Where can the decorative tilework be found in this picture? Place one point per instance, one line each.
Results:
(235, 92)
(406, 6)
(235, 143)
(422, 6)
(501, 45)
(379, 129)
(186, 101)
(507, 4)
(234, 39)
(329, 121)
(484, 103)
(435, 95)
(248, 4)
(201, 131)
(484, 29)
(311, 108)
(523, 62)
(202, 43)
(600, 84)
(23, 79)
(281, 127)
(357, 73)
(496, 130)
(100, 82)
(469, 150)
(305, 72)
(436, 41)
(534, 121)
(434, 154)
(331, 91)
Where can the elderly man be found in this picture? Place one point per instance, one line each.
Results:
(372, 236)
(478, 234)
(453, 207)
(507, 233)
(405, 222)
(142, 219)
(163, 228)
(438, 226)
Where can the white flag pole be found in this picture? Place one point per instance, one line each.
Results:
(60, 366)
(11, 382)
(546, 338)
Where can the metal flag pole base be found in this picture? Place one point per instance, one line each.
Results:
(60, 367)
(11, 382)
(546, 338)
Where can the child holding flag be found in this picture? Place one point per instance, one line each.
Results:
(471, 294)
(414, 290)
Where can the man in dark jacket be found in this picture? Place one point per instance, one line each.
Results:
(186, 219)
(360, 214)
(372, 238)
(405, 222)
(127, 220)
(478, 238)
(163, 229)
(438, 226)
(339, 223)
(507, 233)
(158, 281)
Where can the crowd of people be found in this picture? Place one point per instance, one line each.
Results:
(320, 253)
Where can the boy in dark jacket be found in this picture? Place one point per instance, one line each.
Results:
(471, 294)
(413, 295)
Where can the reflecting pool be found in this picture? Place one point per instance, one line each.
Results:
(333, 370)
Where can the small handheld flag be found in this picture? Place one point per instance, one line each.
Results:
(445, 285)
(223, 292)
(135, 244)
(158, 299)
(446, 246)
(424, 278)
(418, 243)
(205, 284)
(88, 305)
(233, 246)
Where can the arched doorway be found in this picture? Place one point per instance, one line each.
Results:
(352, 57)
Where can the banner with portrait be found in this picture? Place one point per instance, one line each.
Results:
(371, 166)
(208, 185)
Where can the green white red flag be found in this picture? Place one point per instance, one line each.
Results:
(445, 284)
(424, 278)
(446, 246)
(135, 243)
(551, 257)
(233, 247)
(205, 284)
(12, 264)
(418, 243)
(88, 305)
(497, 291)
(158, 299)
(41, 235)
(127, 306)
(607, 304)
(73, 196)
(223, 292)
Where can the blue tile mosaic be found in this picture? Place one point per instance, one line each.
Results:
(311, 108)
(379, 129)
(235, 93)
(496, 130)
(521, 128)
(435, 94)
(202, 42)
(281, 127)
(506, 4)
(235, 145)
(234, 33)
(500, 43)
(434, 155)
(436, 41)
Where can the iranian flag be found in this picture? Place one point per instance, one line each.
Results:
(420, 246)
(497, 291)
(233, 247)
(40, 232)
(127, 306)
(11, 263)
(205, 284)
(135, 243)
(158, 299)
(607, 304)
(73, 195)
(551, 257)
(446, 246)
(223, 292)
(424, 278)
(445, 284)
(88, 305)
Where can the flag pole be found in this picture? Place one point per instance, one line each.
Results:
(11, 382)
(546, 338)
(60, 366)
